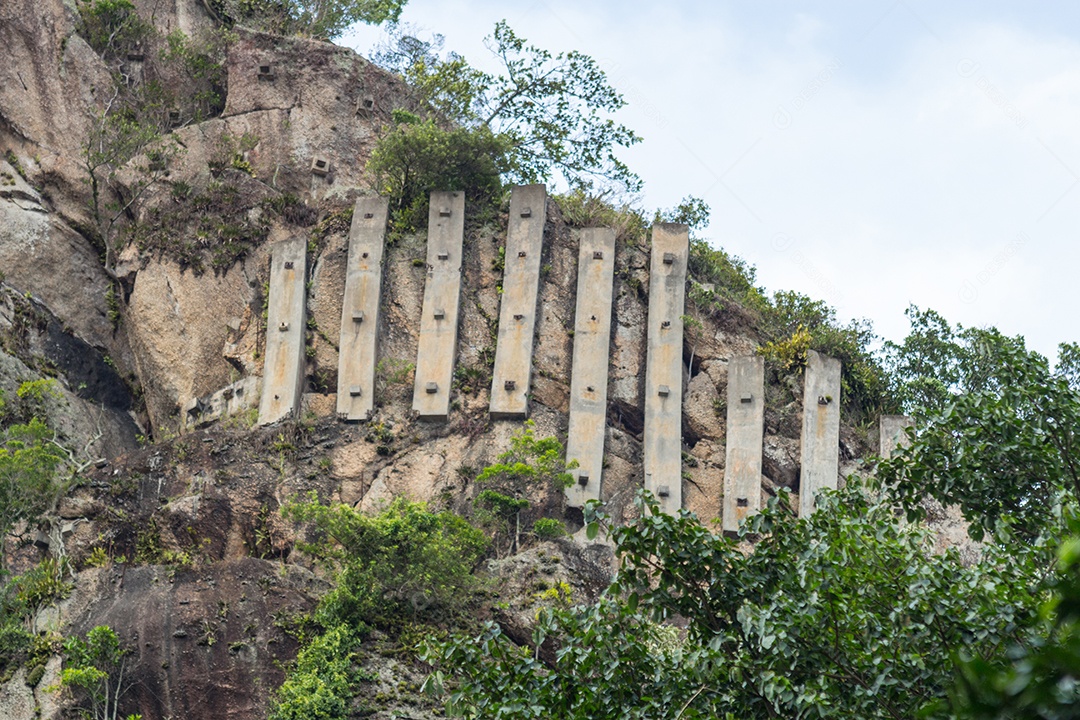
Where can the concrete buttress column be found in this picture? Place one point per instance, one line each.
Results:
(442, 300)
(893, 433)
(360, 309)
(588, 380)
(517, 312)
(664, 367)
(745, 436)
(820, 452)
(283, 369)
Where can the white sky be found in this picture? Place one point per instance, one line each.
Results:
(871, 154)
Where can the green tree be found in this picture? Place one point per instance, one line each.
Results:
(1005, 452)
(533, 469)
(417, 156)
(847, 614)
(96, 670)
(29, 485)
(404, 562)
(322, 683)
(551, 110)
(937, 362)
(320, 19)
(1038, 681)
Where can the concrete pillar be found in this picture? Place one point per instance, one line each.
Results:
(517, 313)
(664, 367)
(588, 380)
(283, 370)
(442, 299)
(360, 309)
(820, 455)
(892, 432)
(745, 437)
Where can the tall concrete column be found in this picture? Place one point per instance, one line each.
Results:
(893, 434)
(820, 454)
(664, 367)
(360, 309)
(283, 369)
(517, 312)
(442, 300)
(588, 380)
(744, 439)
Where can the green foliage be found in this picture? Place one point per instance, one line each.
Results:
(42, 585)
(1005, 452)
(394, 371)
(402, 563)
(95, 671)
(936, 362)
(15, 639)
(609, 666)
(112, 28)
(202, 61)
(176, 80)
(533, 469)
(29, 461)
(692, 212)
(543, 115)
(321, 19)
(549, 528)
(324, 680)
(554, 109)
(865, 388)
(416, 157)
(583, 208)
(847, 614)
(38, 390)
(231, 152)
(1068, 364)
(218, 227)
(1038, 680)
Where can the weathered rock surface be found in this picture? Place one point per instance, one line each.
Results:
(180, 324)
(208, 640)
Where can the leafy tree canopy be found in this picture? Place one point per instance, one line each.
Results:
(320, 19)
(850, 613)
(1005, 450)
(552, 110)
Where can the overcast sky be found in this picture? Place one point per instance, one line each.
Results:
(871, 154)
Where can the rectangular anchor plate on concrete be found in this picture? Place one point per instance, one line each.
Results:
(820, 451)
(283, 371)
(442, 300)
(662, 448)
(589, 377)
(744, 439)
(360, 309)
(521, 288)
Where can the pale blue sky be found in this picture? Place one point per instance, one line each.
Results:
(872, 154)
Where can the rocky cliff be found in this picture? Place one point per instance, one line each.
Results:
(202, 575)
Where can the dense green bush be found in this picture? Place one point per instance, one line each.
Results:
(797, 323)
(323, 682)
(403, 563)
(417, 156)
(848, 614)
(112, 28)
(321, 19)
